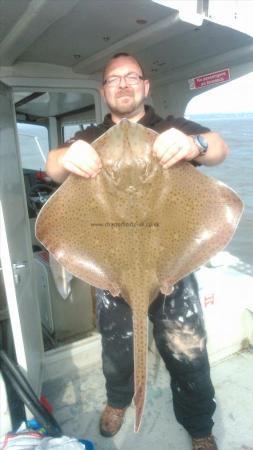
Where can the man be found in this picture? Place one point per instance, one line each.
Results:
(178, 324)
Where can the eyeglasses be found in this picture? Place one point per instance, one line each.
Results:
(130, 78)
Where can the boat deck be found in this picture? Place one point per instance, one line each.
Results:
(78, 398)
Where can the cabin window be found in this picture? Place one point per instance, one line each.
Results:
(69, 130)
(34, 145)
(76, 121)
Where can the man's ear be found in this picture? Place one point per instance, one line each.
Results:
(101, 89)
(146, 87)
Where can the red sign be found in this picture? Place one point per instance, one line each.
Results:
(210, 78)
(209, 300)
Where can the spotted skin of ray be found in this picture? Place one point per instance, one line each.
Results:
(136, 229)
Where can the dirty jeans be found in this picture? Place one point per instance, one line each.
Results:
(180, 337)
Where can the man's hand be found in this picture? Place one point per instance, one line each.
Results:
(172, 146)
(82, 159)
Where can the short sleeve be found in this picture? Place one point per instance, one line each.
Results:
(187, 126)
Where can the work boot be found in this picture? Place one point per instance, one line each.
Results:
(206, 443)
(111, 420)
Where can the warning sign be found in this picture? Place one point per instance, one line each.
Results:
(210, 78)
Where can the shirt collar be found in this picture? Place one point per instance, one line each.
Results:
(149, 119)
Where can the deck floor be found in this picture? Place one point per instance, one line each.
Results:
(79, 397)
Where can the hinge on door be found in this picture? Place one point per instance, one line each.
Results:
(18, 266)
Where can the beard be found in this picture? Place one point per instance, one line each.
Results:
(125, 104)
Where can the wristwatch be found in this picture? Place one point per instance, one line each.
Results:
(201, 143)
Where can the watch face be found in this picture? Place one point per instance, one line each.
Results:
(202, 142)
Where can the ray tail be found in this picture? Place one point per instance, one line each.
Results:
(140, 327)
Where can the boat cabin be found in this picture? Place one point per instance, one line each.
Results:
(52, 55)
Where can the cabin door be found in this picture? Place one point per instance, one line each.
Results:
(16, 258)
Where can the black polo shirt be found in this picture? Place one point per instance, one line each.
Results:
(149, 120)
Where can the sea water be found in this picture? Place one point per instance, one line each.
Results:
(236, 171)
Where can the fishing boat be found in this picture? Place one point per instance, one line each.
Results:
(52, 55)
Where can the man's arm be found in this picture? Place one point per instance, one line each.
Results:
(79, 158)
(216, 153)
(170, 147)
(173, 145)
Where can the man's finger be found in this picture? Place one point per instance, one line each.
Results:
(176, 158)
(169, 154)
(76, 170)
(161, 146)
(86, 172)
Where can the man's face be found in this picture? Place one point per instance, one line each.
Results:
(124, 99)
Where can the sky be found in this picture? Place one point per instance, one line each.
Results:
(231, 97)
